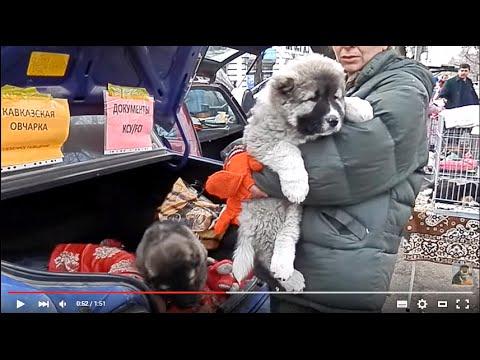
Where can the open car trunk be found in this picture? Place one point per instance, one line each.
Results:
(119, 205)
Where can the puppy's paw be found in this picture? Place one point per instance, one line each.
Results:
(358, 110)
(282, 265)
(294, 283)
(295, 190)
(240, 270)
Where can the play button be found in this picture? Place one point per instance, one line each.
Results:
(20, 304)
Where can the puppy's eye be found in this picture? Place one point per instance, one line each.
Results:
(315, 96)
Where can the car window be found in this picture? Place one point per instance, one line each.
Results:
(209, 109)
(217, 119)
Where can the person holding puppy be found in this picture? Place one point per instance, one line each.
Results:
(363, 183)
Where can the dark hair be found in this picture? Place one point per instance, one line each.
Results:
(464, 66)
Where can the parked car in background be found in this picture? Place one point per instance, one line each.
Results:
(218, 117)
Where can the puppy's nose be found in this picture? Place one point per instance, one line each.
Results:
(332, 121)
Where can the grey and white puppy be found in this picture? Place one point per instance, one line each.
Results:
(299, 104)
(170, 257)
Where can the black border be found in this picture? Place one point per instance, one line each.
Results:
(219, 23)
(251, 330)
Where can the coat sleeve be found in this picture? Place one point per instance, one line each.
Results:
(474, 94)
(366, 159)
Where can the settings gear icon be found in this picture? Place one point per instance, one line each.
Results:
(422, 304)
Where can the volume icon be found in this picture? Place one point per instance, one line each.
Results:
(62, 304)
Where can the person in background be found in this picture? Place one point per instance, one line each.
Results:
(458, 91)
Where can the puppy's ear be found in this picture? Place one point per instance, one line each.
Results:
(283, 83)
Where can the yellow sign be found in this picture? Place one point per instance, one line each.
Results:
(15, 91)
(127, 92)
(33, 130)
(47, 64)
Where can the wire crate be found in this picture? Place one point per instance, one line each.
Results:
(456, 171)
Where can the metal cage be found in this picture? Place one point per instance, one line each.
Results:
(456, 171)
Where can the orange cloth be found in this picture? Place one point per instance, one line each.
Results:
(233, 184)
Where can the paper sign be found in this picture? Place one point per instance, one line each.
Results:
(127, 92)
(47, 64)
(33, 131)
(128, 124)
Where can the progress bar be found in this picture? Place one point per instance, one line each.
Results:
(235, 292)
(352, 292)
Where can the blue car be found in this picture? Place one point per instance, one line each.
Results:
(90, 196)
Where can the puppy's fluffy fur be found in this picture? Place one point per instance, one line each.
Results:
(299, 104)
(170, 257)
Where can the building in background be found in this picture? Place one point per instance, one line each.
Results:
(273, 60)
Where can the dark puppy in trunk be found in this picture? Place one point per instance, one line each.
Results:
(171, 258)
